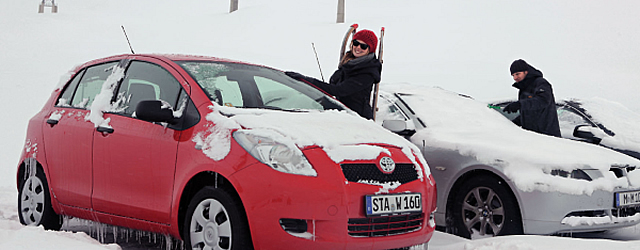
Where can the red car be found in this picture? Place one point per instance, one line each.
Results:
(222, 155)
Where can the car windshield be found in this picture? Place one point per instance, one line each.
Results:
(249, 86)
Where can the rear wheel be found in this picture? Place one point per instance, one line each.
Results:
(484, 207)
(34, 204)
(215, 221)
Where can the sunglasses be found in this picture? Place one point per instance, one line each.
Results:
(362, 45)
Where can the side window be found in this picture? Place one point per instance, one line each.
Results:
(568, 117)
(67, 94)
(388, 110)
(147, 81)
(91, 84)
(569, 120)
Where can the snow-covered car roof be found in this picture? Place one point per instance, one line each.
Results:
(460, 123)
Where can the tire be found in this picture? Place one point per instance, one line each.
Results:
(34, 203)
(484, 206)
(227, 229)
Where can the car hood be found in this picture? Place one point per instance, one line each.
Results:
(341, 134)
(459, 123)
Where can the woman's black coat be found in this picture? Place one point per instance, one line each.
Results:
(352, 83)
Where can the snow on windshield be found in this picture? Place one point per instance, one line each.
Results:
(471, 128)
(617, 118)
(341, 134)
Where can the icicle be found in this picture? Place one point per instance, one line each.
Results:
(129, 234)
(62, 220)
(216, 182)
(168, 242)
(31, 168)
(100, 233)
(27, 169)
(314, 229)
(115, 234)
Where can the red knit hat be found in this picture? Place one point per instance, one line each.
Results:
(367, 37)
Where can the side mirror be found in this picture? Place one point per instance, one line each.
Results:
(398, 127)
(153, 111)
(584, 132)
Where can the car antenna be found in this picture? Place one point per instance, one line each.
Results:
(125, 36)
(317, 60)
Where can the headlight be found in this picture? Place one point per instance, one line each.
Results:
(279, 156)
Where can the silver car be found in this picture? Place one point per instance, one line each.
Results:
(596, 120)
(494, 178)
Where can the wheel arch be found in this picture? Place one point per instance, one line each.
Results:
(473, 173)
(52, 218)
(195, 184)
(24, 171)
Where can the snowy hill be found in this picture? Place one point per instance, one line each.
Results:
(585, 49)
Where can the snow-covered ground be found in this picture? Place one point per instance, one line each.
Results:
(585, 48)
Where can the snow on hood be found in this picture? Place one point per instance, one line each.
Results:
(617, 118)
(471, 128)
(343, 136)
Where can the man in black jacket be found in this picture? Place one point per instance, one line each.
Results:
(536, 102)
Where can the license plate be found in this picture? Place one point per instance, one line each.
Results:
(627, 198)
(393, 204)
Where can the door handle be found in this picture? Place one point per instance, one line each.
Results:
(52, 122)
(105, 130)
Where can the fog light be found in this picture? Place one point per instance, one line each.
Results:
(293, 225)
(432, 219)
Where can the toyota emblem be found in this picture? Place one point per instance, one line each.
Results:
(387, 164)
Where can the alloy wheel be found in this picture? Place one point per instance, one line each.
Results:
(483, 212)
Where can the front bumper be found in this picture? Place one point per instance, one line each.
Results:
(552, 212)
(330, 205)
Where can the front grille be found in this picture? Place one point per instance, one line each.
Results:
(403, 173)
(625, 211)
(385, 225)
(616, 213)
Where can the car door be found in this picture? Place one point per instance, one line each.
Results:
(68, 137)
(134, 164)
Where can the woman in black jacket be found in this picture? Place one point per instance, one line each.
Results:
(358, 71)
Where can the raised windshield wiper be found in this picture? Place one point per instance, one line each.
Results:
(278, 108)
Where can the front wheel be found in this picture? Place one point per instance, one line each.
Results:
(484, 207)
(215, 221)
(34, 203)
